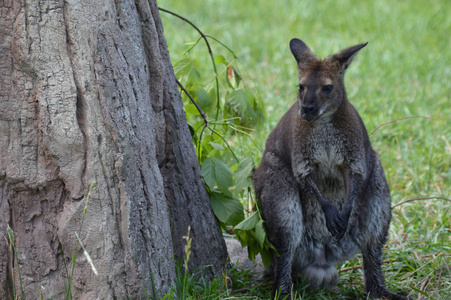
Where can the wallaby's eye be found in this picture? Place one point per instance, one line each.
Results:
(301, 88)
(327, 89)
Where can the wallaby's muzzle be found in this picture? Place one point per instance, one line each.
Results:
(309, 112)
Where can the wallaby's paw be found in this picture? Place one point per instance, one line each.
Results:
(344, 218)
(335, 223)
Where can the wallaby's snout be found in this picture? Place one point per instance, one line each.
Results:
(309, 112)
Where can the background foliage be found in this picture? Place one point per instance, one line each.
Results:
(404, 71)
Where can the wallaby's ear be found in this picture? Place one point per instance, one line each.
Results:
(345, 57)
(301, 52)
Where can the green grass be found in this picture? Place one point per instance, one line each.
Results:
(404, 71)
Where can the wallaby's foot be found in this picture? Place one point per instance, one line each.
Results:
(386, 294)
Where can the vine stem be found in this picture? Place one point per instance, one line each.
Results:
(202, 114)
(210, 52)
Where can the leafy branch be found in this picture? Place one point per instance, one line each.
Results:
(227, 176)
(210, 52)
(204, 116)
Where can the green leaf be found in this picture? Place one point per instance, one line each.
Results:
(208, 173)
(259, 109)
(204, 100)
(192, 131)
(223, 175)
(237, 77)
(227, 209)
(182, 67)
(260, 233)
(188, 67)
(194, 76)
(241, 105)
(191, 109)
(213, 97)
(238, 100)
(266, 257)
(243, 173)
(252, 248)
(217, 146)
(243, 237)
(248, 223)
(245, 105)
(220, 60)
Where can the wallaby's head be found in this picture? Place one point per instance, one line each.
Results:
(321, 82)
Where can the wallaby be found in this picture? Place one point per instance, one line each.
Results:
(321, 186)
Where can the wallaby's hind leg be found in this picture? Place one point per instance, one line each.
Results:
(282, 274)
(282, 213)
(374, 280)
(378, 196)
(285, 238)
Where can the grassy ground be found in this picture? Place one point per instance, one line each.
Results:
(404, 71)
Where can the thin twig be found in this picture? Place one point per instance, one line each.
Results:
(194, 45)
(210, 52)
(222, 44)
(202, 114)
(395, 120)
(360, 266)
(421, 198)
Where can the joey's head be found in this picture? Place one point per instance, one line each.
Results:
(321, 82)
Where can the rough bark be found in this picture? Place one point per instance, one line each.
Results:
(87, 93)
(185, 191)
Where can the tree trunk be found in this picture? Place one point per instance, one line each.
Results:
(87, 93)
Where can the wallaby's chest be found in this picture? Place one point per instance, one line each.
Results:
(327, 156)
(326, 148)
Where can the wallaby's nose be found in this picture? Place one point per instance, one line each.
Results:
(308, 108)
